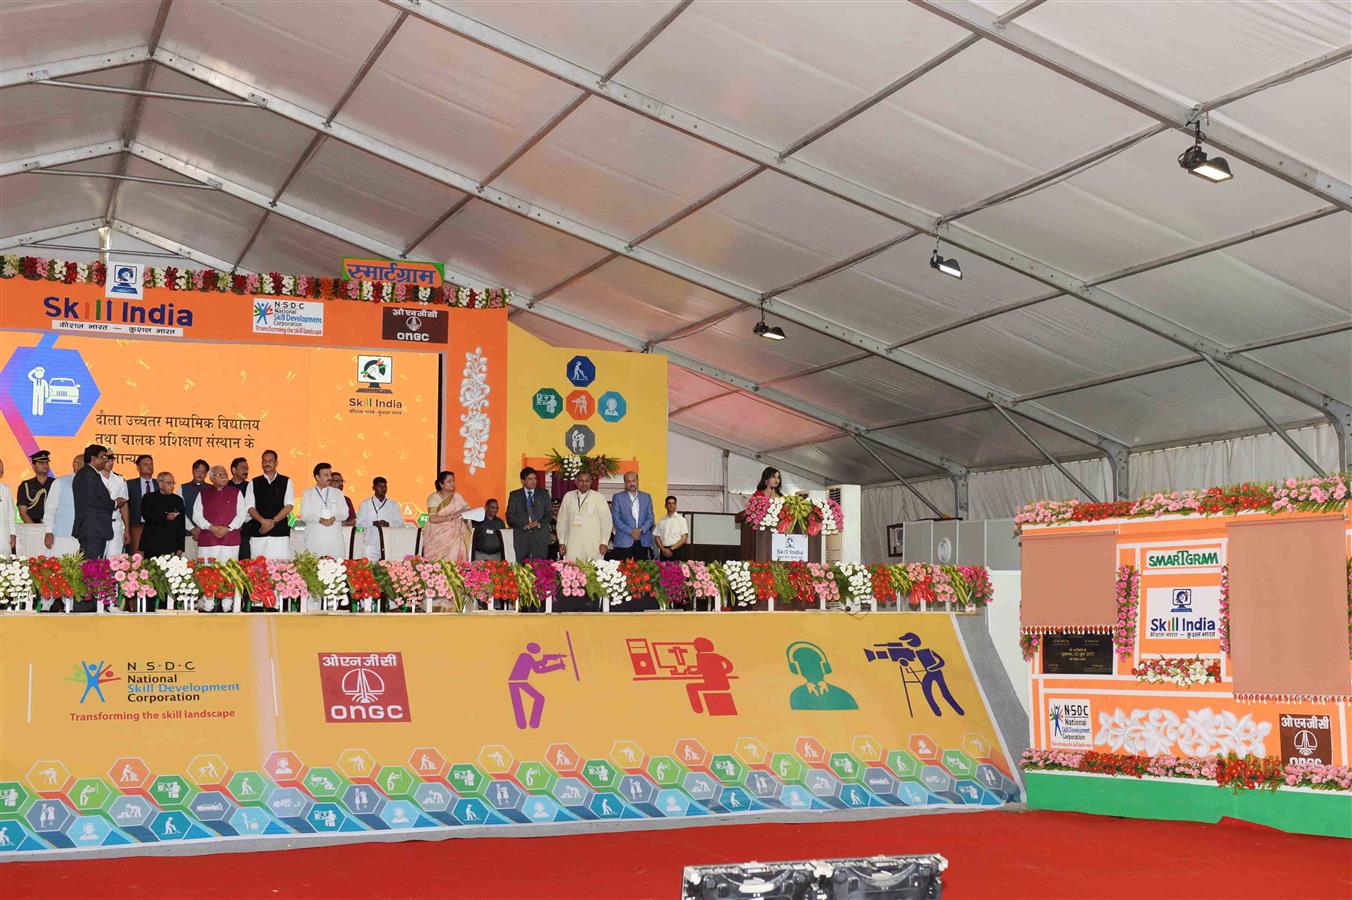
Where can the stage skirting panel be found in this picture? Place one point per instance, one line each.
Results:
(127, 731)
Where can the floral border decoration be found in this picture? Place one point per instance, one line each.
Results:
(1223, 626)
(1183, 671)
(1128, 592)
(1327, 493)
(1232, 770)
(268, 284)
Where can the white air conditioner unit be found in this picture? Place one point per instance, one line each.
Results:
(846, 546)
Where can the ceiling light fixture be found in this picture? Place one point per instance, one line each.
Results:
(947, 266)
(769, 332)
(1214, 169)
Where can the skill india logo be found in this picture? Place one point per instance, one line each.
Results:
(93, 676)
(46, 391)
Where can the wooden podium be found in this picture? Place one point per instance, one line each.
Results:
(758, 546)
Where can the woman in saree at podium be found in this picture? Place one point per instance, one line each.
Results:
(446, 536)
(768, 485)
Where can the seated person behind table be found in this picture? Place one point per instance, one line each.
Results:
(671, 534)
(488, 534)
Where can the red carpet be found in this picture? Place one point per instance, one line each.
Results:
(993, 854)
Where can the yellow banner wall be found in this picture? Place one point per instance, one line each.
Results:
(541, 372)
(214, 727)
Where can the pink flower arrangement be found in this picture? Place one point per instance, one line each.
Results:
(1128, 601)
(132, 577)
(406, 586)
(478, 582)
(572, 580)
(1297, 493)
(700, 582)
(433, 577)
(824, 582)
(1233, 771)
(1045, 512)
(287, 583)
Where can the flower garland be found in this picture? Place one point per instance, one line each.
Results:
(1231, 770)
(1322, 493)
(271, 284)
(1028, 645)
(1128, 594)
(1180, 670)
(1223, 627)
(787, 515)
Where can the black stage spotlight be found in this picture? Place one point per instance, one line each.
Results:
(769, 332)
(947, 266)
(1214, 169)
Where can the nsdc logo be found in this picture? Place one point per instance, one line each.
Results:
(264, 312)
(1182, 600)
(94, 676)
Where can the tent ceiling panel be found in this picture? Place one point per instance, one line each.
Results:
(248, 146)
(1323, 362)
(287, 246)
(640, 299)
(1181, 404)
(561, 335)
(1135, 207)
(986, 439)
(616, 171)
(1281, 116)
(773, 71)
(40, 31)
(385, 201)
(730, 341)
(875, 390)
(451, 101)
(591, 32)
(771, 231)
(896, 294)
(845, 462)
(32, 202)
(322, 43)
(1193, 51)
(40, 119)
(753, 423)
(502, 248)
(220, 224)
(983, 121)
(685, 387)
(1058, 342)
(1282, 283)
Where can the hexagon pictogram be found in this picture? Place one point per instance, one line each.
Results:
(810, 750)
(846, 767)
(822, 783)
(50, 390)
(903, 762)
(357, 764)
(735, 799)
(171, 791)
(959, 763)
(428, 763)
(48, 815)
(787, 767)
(728, 769)
(547, 403)
(324, 783)
(399, 814)
(637, 789)
(13, 796)
(580, 370)
(972, 794)
(600, 774)
(434, 797)
(131, 812)
(88, 831)
(672, 803)
(691, 753)
(563, 758)
(471, 811)
(611, 406)
(541, 809)
(468, 779)
(665, 771)
(327, 818)
(868, 749)
(90, 794)
(880, 781)
(579, 439)
(208, 770)
(628, 755)
(396, 781)
(580, 405)
(284, 767)
(606, 806)
(762, 785)
(751, 751)
(170, 826)
(496, 759)
(505, 795)
(923, 746)
(936, 779)
(289, 803)
(48, 777)
(976, 746)
(571, 792)
(853, 797)
(364, 800)
(249, 787)
(129, 774)
(212, 806)
(795, 797)
(250, 821)
(701, 786)
(535, 777)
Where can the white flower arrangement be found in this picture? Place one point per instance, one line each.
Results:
(182, 585)
(859, 585)
(16, 585)
(739, 583)
(612, 580)
(333, 576)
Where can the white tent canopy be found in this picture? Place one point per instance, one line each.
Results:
(647, 175)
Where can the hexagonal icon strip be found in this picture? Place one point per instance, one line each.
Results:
(400, 814)
(364, 800)
(535, 777)
(396, 781)
(822, 783)
(249, 788)
(505, 795)
(496, 759)
(727, 768)
(91, 794)
(563, 758)
(691, 753)
(357, 764)
(665, 771)
(936, 779)
(702, 786)
(289, 803)
(468, 779)
(129, 773)
(751, 751)
(212, 806)
(208, 770)
(600, 774)
(48, 777)
(788, 767)
(628, 755)
(428, 763)
(868, 749)
(171, 791)
(854, 797)
(472, 811)
(324, 783)
(13, 796)
(327, 818)
(762, 785)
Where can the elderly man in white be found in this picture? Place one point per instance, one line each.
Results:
(321, 509)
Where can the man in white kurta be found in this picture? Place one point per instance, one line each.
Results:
(321, 509)
(584, 522)
(8, 534)
(377, 513)
(117, 489)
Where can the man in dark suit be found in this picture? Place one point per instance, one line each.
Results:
(94, 509)
(139, 488)
(165, 520)
(528, 515)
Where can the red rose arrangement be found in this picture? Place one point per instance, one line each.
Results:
(638, 577)
(360, 581)
(503, 580)
(47, 575)
(763, 580)
(211, 581)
